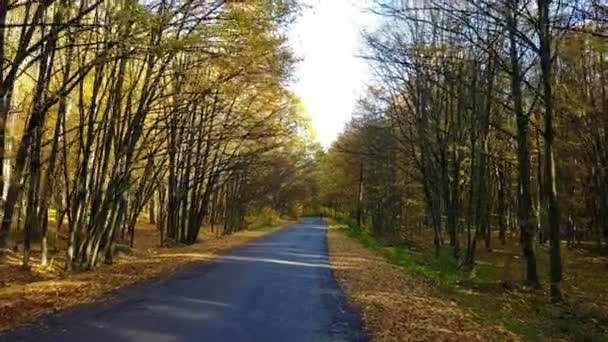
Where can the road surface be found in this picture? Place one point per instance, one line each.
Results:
(278, 288)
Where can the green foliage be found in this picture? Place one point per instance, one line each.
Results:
(296, 210)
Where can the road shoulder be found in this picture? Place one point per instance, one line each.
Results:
(397, 306)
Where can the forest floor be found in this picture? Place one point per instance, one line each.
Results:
(26, 295)
(386, 282)
(396, 305)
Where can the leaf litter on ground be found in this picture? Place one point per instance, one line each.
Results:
(398, 306)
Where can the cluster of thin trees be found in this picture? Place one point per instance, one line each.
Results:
(113, 107)
(486, 114)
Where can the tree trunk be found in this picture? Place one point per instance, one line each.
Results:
(502, 224)
(360, 195)
(545, 55)
(525, 205)
(151, 207)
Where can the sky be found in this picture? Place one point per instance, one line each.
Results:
(330, 77)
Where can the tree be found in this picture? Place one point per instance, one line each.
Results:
(135, 103)
(460, 88)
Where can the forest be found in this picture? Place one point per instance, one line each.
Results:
(138, 137)
(484, 136)
(477, 158)
(174, 110)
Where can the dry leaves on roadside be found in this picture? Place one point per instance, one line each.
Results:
(397, 306)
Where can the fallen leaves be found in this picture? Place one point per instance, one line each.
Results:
(397, 306)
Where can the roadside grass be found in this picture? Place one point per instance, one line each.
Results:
(488, 291)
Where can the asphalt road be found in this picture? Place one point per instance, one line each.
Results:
(278, 288)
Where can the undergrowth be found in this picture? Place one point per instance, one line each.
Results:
(263, 219)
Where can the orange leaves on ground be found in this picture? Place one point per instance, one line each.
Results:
(397, 306)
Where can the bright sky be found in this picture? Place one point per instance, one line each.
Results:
(331, 76)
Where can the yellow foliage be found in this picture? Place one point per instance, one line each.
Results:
(267, 217)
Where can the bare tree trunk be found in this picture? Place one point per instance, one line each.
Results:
(525, 205)
(545, 55)
(540, 210)
(151, 207)
(502, 184)
(33, 197)
(453, 217)
(360, 195)
(5, 95)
